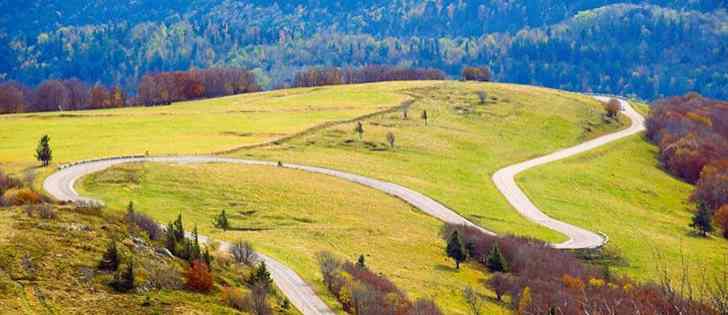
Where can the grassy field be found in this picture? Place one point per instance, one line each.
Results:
(620, 190)
(292, 215)
(453, 157)
(189, 127)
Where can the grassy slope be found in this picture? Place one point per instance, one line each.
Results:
(189, 127)
(454, 157)
(292, 215)
(620, 190)
(59, 253)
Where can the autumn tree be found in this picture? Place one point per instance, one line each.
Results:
(11, 99)
(455, 249)
(613, 106)
(117, 97)
(198, 277)
(477, 74)
(721, 219)
(99, 97)
(78, 94)
(51, 95)
(43, 152)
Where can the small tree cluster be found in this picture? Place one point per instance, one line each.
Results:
(477, 74)
(179, 245)
(363, 292)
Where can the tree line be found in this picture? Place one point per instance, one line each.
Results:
(691, 132)
(370, 73)
(154, 89)
(540, 279)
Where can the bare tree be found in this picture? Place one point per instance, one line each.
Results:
(474, 301)
(243, 253)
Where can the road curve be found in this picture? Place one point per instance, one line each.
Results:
(60, 185)
(578, 238)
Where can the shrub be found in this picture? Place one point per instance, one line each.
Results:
(483, 96)
(198, 277)
(22, 196)
(89, 207)
(234, 298)
(259, 300)
(243, 253)
(146, 224)
(45, 211)
(162, 276)
(7, 182)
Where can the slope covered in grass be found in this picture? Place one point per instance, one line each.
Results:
(620, 190)
(292, 215)
(190, 127)
(452, 157)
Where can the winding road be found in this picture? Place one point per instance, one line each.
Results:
(60, 185)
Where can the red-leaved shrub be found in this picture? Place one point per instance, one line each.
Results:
(198, 277)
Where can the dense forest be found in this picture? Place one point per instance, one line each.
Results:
(648, 49)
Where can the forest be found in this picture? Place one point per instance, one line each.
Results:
(647, 49)
(691, 132)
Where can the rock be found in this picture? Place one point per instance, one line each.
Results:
(164, 252)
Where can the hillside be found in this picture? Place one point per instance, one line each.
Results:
(643, 48)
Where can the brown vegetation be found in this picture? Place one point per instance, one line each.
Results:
(544, 280)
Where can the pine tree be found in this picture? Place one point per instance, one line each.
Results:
(195, 252)
(110, 260)
(208, 258)
(124, 281)
(221, 221)
(43, 152)
(359, 129)
(424, 116)
(361, 263)
(495, 261)
(171, 239)
(702, 220)
(261, 276)
(455, 249)
(178, 229)
(130, 208)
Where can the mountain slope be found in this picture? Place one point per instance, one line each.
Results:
(649, 49)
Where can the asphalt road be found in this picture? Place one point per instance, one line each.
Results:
(60, 185)
(578, 237)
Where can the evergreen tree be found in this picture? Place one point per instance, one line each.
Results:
(130, 208)
(424, 116)
(702, 220)
(495, 261)
(261, 276)
(208, 258)
(124, 281)
(455, 249)
(43, 152)
(178, 229)
(110, 260)
(195, 252)
(361, 263)
(171, 239)
(221, 221)
(359, 129)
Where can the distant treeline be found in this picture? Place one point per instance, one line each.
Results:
(166, 87)
(373, 73)
(692, 134)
